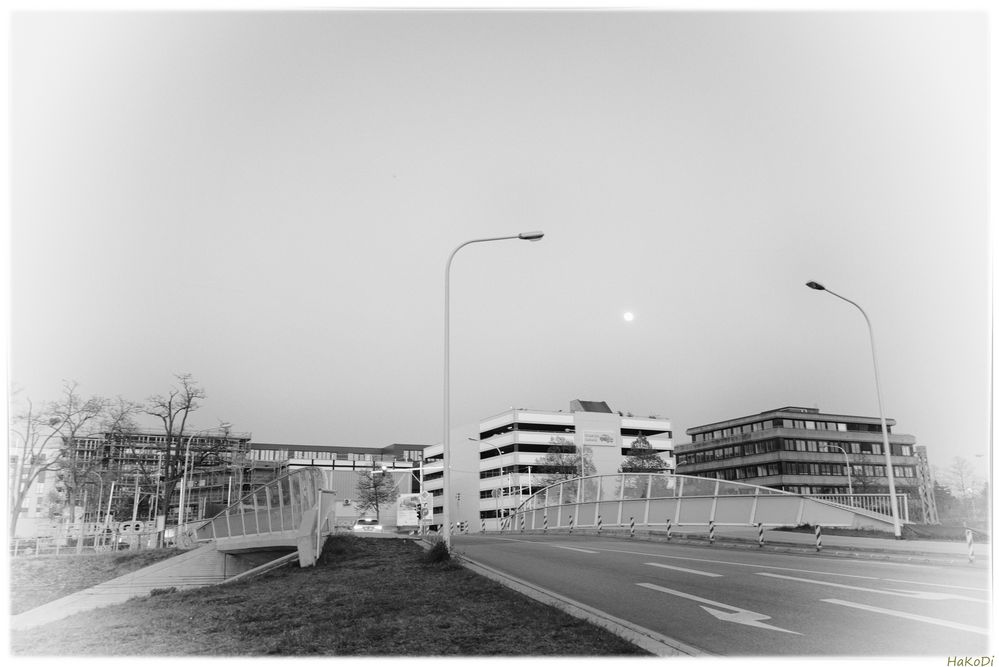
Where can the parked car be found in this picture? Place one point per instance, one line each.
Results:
(363, 525)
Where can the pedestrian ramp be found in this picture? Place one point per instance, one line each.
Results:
(273, 525)
(202, 566)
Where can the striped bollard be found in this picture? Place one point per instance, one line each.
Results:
(546, 522)
(632, 532)
(600, 524)
(521, 523)
(760, 526)
(711, 532)
(971, 545)
(669, 530)
(452, 528)
(483, 525)
(570, 524)
(818, 538)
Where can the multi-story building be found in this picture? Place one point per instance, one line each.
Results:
(510, 459)
(123, 471)
(802, 450)
(36, 514)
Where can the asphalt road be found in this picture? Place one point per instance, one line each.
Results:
(741, 602)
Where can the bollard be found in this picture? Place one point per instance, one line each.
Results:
(760, 525)
(969, 536)
(570, 524)
(483, 525)
(521, 523)
(600, 524)
(711, 532)
(818, 538)
(669, 530)
(546, 522)
(632, 519)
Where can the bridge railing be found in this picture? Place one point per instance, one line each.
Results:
(280, 506)
(875, 502)
(660, 500)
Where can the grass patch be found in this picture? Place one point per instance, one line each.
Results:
(40, 579)
(366, 597)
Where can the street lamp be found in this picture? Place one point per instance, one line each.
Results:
(849, 478)
(884, 425)
(224, 426)
(523, 236)
(509, 492)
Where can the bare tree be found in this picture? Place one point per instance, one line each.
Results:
(561, 462)
(173, 409)
(78, 418)
(375, 489)
(965, 484)
(642, 458)
(34, 441)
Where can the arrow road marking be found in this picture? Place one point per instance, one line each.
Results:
(911, 617)
(740, 616)
(919, 595)
(683, 569)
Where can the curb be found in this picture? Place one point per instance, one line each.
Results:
(649, 640)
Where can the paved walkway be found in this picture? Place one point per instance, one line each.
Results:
(197, 567)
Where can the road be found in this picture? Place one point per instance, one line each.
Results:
(742, 602)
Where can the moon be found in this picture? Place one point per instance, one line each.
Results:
(629, 316)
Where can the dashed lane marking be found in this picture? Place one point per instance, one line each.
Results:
(911, 617)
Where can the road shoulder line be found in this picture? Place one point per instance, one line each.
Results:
(649, 640)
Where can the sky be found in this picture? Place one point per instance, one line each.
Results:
(267, 201)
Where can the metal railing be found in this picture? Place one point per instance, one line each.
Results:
(280, 506)
(664, 500)
(874, 502)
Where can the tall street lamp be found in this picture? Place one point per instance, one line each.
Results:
(849, 477)
(499, 488)
(524, 236)
(182, 519)
(884, 426)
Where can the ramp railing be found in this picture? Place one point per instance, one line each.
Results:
(282, 513)
(661, 500)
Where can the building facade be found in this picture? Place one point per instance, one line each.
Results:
(508, 459)
(122, 472)
(801, 450)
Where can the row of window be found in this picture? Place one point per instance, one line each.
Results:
(803, 424)
(796, 468)
(563, 428)
(788, 445)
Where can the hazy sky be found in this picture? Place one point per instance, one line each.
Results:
(267, 201)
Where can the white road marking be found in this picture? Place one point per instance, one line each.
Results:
(684, 569)
(585, 551)
(911, 617)
(737, 615)
(919, 595)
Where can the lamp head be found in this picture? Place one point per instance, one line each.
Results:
(815, 285)
(531, 236)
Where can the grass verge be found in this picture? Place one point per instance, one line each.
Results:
(367, 597)
(35, 581)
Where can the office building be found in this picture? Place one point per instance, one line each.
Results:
(520, 451)
(801, 450)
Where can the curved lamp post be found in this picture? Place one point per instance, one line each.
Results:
(884, 426)
(182, 520)
(523, 236)
(849, 478)
(509, 491)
